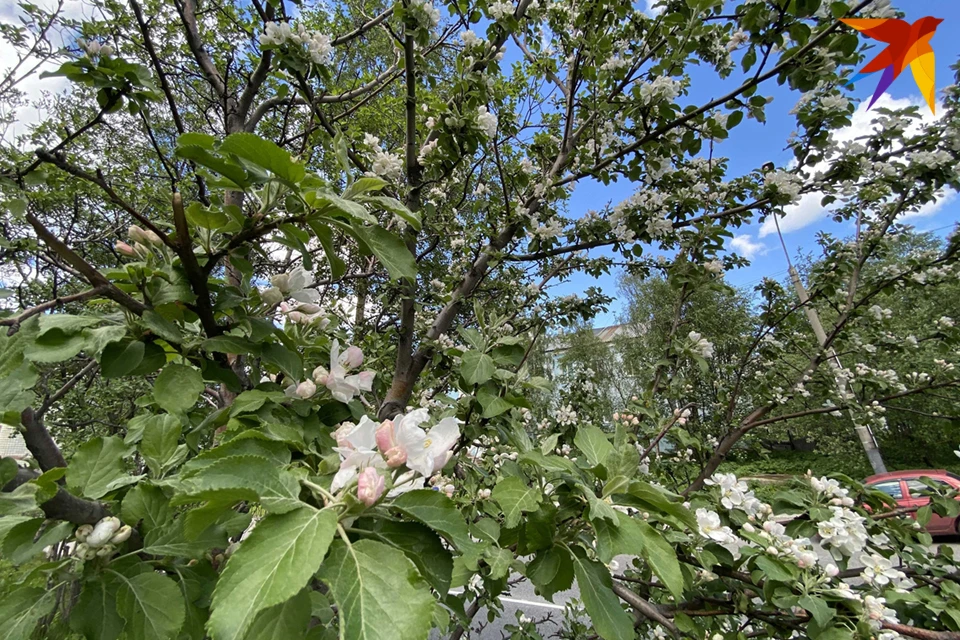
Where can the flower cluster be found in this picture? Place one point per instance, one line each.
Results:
(343, 387)
(734, 494)
(368, 449)
(426, 15)
(319, 45)
(94, 49)
(100, 540)
(784, 183)
(844, 532)
(487, 121)
(700, 345)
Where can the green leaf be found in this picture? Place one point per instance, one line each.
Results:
(97, 467)
(20, 610)
(205, 218)
(54, 346)
(774, 569)
(118, 359)
(171, 540)
(283, 621)
(390, 251)
(95, 614)
(202, 140)
(66, 323)
(147, 504)
(397, 208)
(594, 445)
(24, 541)
(637, 538)
(229, 170)
(822, 613)
(438, 512)
(476, 367)
(284, 359)
(161, 326)
(419, 543)
(264, 153)
(651, 498)
(514, 498)
(178, 387)
(271, 566)
(231, 344)
(21, 500)
(602, 604)
(160, 446)
(493, 405)
(152, 606)
(325, 200)
(242, 478)
(499, 561)
(551, 571)
(378, 591)
(250, 443)
(364, 185)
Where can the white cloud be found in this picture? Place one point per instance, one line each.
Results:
(862, 123)
(747, 248)
(933, 207)
(652, 8)
(33, 87)
(796, 216)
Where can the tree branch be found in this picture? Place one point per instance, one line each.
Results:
(64, 505)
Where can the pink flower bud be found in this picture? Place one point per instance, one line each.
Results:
(308, 308)
(124, 249)
(321, 376)
(306, 389)
(351, 358)
(386, 436)
(370, 486)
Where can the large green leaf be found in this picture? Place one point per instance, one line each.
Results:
(284, 359)
(419, 543)
(283, 621)
(264, 153)
(95, 614)
(602, 604)
(178, 387)
(514, 498)
(551, 571)
(55, 346)
(160, 446)
(650, 498)
(242, 478)
(271, 566)
(378, 591)
(390, 251)
(21, 500)
(147, 504)
(20, 610)
(97, 467)
(438, 512)
(397, 208)
(24, 541)
(170, 540)
(476, 367)
(594, 444)
(152, 606)
(637, 538)
(119, 359)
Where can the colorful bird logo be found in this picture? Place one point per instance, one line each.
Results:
(907, 44)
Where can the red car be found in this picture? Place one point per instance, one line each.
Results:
(905, 487)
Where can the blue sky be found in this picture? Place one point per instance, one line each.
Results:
(751, 144)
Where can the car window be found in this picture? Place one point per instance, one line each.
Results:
(916, 487)
(891, 488)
